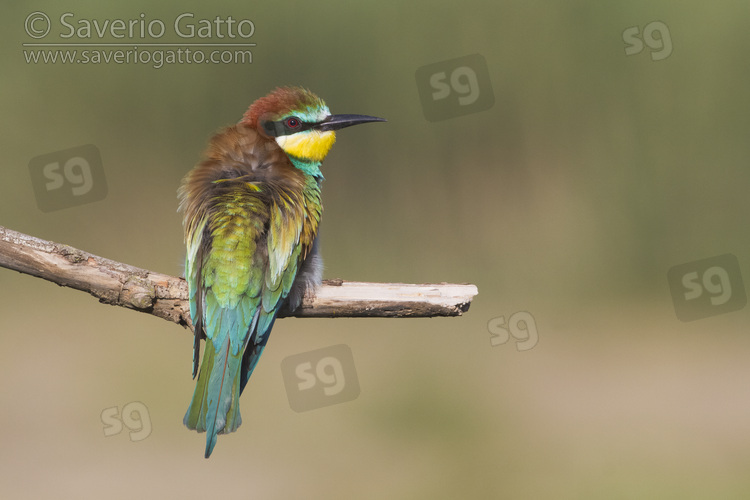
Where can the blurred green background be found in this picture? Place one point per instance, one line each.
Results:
(593, 173)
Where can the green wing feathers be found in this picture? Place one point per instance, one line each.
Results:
(243, 255)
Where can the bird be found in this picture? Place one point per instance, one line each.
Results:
(251, 211)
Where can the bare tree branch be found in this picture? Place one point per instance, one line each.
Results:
(165, 296)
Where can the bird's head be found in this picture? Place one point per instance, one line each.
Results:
(300, 122)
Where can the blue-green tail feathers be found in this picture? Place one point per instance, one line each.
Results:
(215, 406)
(253, 352)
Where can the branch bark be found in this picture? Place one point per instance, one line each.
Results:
(165, 296)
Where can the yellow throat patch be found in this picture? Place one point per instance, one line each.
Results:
(309, 145)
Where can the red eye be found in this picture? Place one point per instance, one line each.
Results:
(293, 122)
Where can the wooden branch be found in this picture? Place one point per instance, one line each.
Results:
(165, 296)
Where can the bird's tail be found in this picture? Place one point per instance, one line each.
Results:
(253, 352)
(215, 408)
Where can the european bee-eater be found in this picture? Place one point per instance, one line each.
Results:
(251, 211)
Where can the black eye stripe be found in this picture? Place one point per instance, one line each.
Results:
(283, 127)
(297, 125)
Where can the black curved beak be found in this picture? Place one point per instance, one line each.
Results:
(336, 122)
